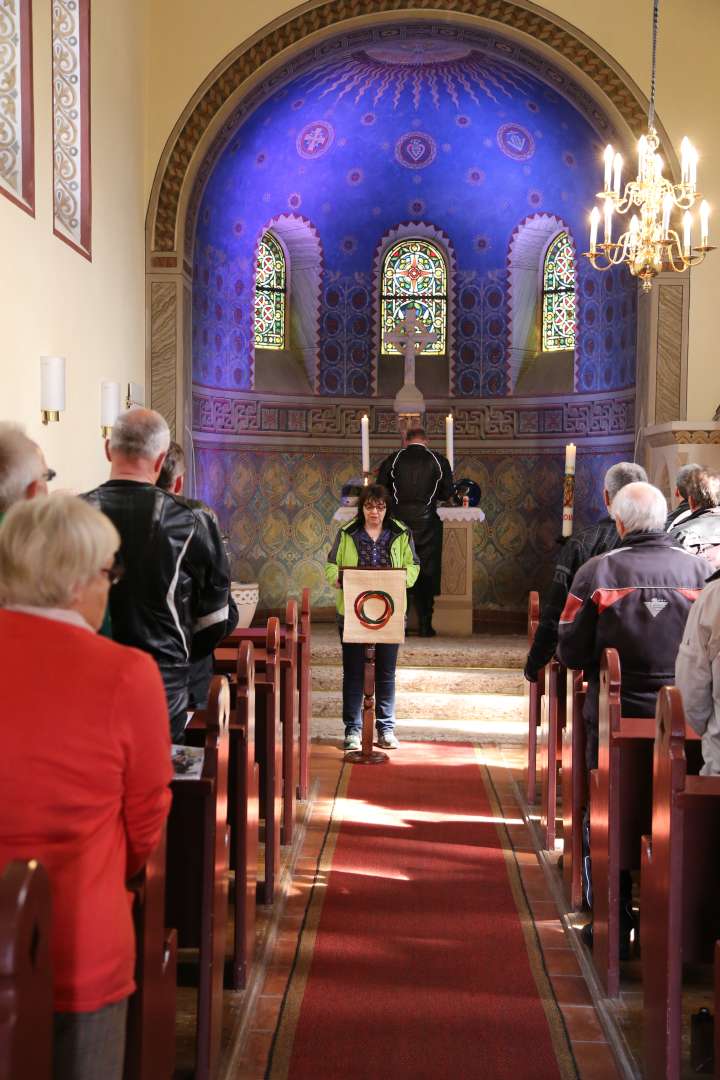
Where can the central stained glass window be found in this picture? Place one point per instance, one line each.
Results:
(414, 276)
(270, 290)
(558, 320)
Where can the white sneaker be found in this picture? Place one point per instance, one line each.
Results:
(388, 741)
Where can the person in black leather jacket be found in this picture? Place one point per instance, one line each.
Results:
(417, 479)
(576, 550)
(172, 601)
(172, 479)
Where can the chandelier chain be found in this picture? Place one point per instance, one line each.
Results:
(656, 19)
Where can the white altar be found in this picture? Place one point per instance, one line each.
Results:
(454, 606)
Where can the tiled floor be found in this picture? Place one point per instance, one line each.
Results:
(590, 1048)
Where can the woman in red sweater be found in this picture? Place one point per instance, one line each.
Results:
(85, 764)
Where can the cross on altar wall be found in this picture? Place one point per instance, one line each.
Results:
(411, 336)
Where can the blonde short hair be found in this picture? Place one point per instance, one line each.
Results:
(49, 546)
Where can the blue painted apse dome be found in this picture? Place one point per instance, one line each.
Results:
(406, 130)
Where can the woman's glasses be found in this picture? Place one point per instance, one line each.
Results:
(115, 572)
(48, 475)
(375, 505)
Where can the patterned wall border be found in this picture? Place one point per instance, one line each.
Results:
(17, 114)
(72, 176)
(425, 231)
(235, 414)
(173, 173)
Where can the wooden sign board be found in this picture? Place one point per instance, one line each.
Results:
(374, 606)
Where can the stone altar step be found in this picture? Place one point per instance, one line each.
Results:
(504, 721)
(433, 680)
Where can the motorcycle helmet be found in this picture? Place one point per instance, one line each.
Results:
(467, 488)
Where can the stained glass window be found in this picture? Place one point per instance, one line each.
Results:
(558, 324)
(414, 276)
(270, 285)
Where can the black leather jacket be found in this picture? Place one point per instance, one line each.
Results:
(172, 600)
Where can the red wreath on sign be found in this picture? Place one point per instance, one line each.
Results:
(366, 620)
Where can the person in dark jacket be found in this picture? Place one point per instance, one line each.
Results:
(172, 479)
(699, 531)
(682, 510)
(417, 479)
(636, 599)
(576, 550)
(172, 601)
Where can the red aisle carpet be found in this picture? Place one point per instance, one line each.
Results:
(415, 959)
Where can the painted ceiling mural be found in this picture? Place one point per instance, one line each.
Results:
(418, 128)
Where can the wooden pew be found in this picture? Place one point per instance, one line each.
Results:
(268, 743)
(197, 874)
(574, 788)
(535, 692)
(620, 808)
(150, 1044)
(551, 728)
(680, 884)
(26, 999)
(304, 671)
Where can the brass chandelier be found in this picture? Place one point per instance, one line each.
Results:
(649, 245)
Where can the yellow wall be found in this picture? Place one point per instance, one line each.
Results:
(53, 301)
(187, 40)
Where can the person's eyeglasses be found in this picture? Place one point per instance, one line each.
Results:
(375, 505)
(48, 475)
(113, 573)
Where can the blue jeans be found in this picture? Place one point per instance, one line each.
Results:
(353, 672)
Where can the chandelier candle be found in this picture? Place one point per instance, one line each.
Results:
(365, 445)
(450, 439)
(569, 490)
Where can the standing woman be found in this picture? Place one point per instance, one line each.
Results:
(370, 539)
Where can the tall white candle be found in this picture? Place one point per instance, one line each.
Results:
(667, 209)
(365, 443)
(570, 452)
(608, 220)
(685, 160)
(687, 232)
(704, 223)
(450, 439)
(594, 222)
(608, 156)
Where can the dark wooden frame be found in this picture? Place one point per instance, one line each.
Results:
(535, 693)
(574, 787)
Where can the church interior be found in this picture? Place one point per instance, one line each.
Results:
(223, 213)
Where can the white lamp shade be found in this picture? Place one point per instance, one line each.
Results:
(110, 394)
(52, 383)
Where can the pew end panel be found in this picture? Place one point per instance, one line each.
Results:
(150, 1044)
(305, 691)
(197, 874)
(534, 693)
(243, 814)
(574, 788)
(552, 725)
(26, 997)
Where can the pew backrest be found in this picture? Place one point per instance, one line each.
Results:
(26, 1004)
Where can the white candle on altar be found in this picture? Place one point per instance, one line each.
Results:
(365, 443)
(570, 452)
(450, 439)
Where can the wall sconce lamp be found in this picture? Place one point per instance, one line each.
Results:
(135, 395)
(109, 406)
(52, 388)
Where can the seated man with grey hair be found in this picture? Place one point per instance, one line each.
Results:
(682, 510)
(576, 550)
(635, 599)
(699, 532)
(23, 472)
(172, 601)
